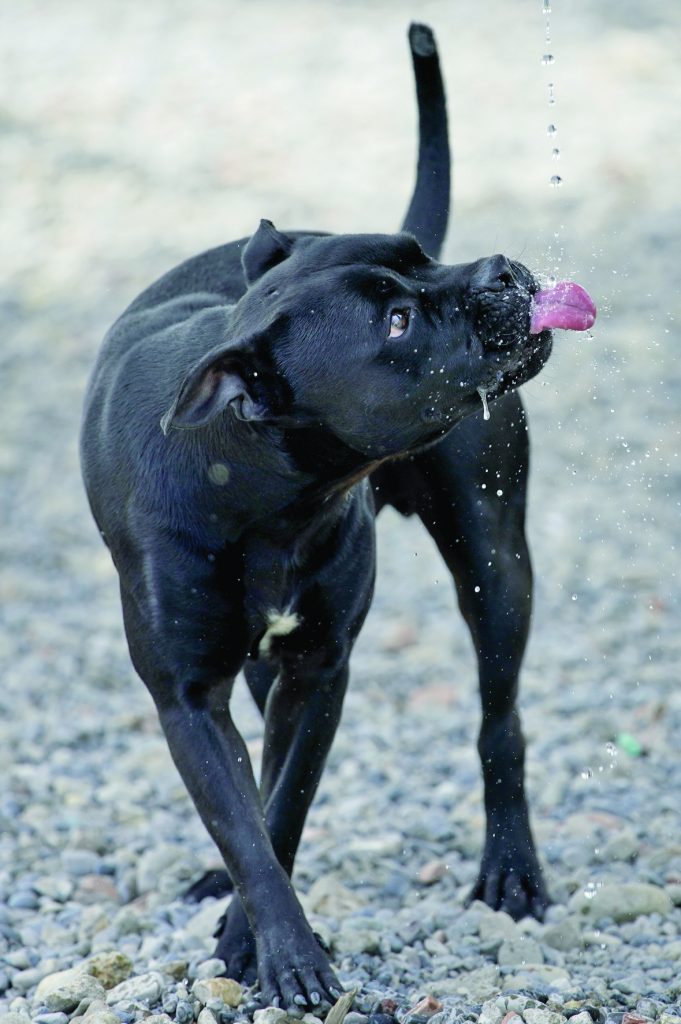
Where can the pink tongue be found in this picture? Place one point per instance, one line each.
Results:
(566, 305)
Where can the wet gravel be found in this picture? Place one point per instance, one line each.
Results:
(136, 135)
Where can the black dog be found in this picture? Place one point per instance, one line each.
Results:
(242, 428)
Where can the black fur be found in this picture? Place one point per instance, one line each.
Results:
(241, 430)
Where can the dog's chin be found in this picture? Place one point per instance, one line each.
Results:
(531, 359)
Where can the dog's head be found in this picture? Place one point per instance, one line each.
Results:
(366, 337)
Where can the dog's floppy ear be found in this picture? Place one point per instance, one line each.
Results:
(264, 250)
(221, 379)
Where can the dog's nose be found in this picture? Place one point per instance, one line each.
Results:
(493, 274)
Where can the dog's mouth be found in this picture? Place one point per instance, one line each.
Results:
(515, 325)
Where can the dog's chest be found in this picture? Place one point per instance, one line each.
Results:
(271, 580)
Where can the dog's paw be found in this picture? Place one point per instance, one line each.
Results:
(214, 883)
(295, 973)
(236, 945)
(512, 884)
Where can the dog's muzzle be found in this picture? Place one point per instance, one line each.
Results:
(500, 297)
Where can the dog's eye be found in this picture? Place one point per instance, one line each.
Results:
(399, 321)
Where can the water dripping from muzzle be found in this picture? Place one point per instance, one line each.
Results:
(483, 398)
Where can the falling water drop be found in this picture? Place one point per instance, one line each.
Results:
(551, 130)
(555, 181)
(547, 6)
(555, 153)
(548, 58)
(552, 98)
(590, 890)
(587, 773)
(483, 398)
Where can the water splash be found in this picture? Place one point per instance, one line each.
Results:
(483, 398)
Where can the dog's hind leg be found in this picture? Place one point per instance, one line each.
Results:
(473, 504)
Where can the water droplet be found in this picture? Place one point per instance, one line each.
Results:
(590, 890)
(552, 98)
(548, 58)
(555, 153)
(574, 597)
(499, 493)
(547, 6)
(555, 181)
(611, 749)
(551, 281)
(587, 773)
(476, 589)
(551, 130)
(483, 398)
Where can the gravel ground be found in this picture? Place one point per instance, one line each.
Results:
(137, 134)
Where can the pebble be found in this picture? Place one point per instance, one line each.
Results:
(624, 902)
(519, 950)
(143, 988)
(65, 990)
(110, 968)
(224, 990)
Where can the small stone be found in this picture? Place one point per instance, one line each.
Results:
(356, 1018)
(476, 985)
(50, 1018)
(102, 1015)
(270, 1015)
(163, 1018)
(493, 928)
(207, 1017)
(512, 1018)
(563, 936)
(184, 1013)
(227, 991)
(144, 988)
(426, 1007)
(54, 887)
(15, 1018)
(521, 950)
(624, 902)
(432, 872)
(96, 889)
(65, 990)
(634, 1018)
(202, 924)
(213, 968)
(491, 1013)
(80, 862)
(23, 900)
(541, 1015)
(109, 968)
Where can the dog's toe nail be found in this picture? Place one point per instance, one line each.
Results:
(275, 1002)
(315, 998)
(301, 1000)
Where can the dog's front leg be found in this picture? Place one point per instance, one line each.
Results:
(214, 764)
(187, 638)
(302, 714)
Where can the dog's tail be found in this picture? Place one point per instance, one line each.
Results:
(429, 208)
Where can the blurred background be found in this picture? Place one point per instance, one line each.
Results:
(135, 135)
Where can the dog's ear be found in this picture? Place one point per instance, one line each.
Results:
(264, 250)
(221, 379)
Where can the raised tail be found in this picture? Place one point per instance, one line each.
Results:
(429, 208)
